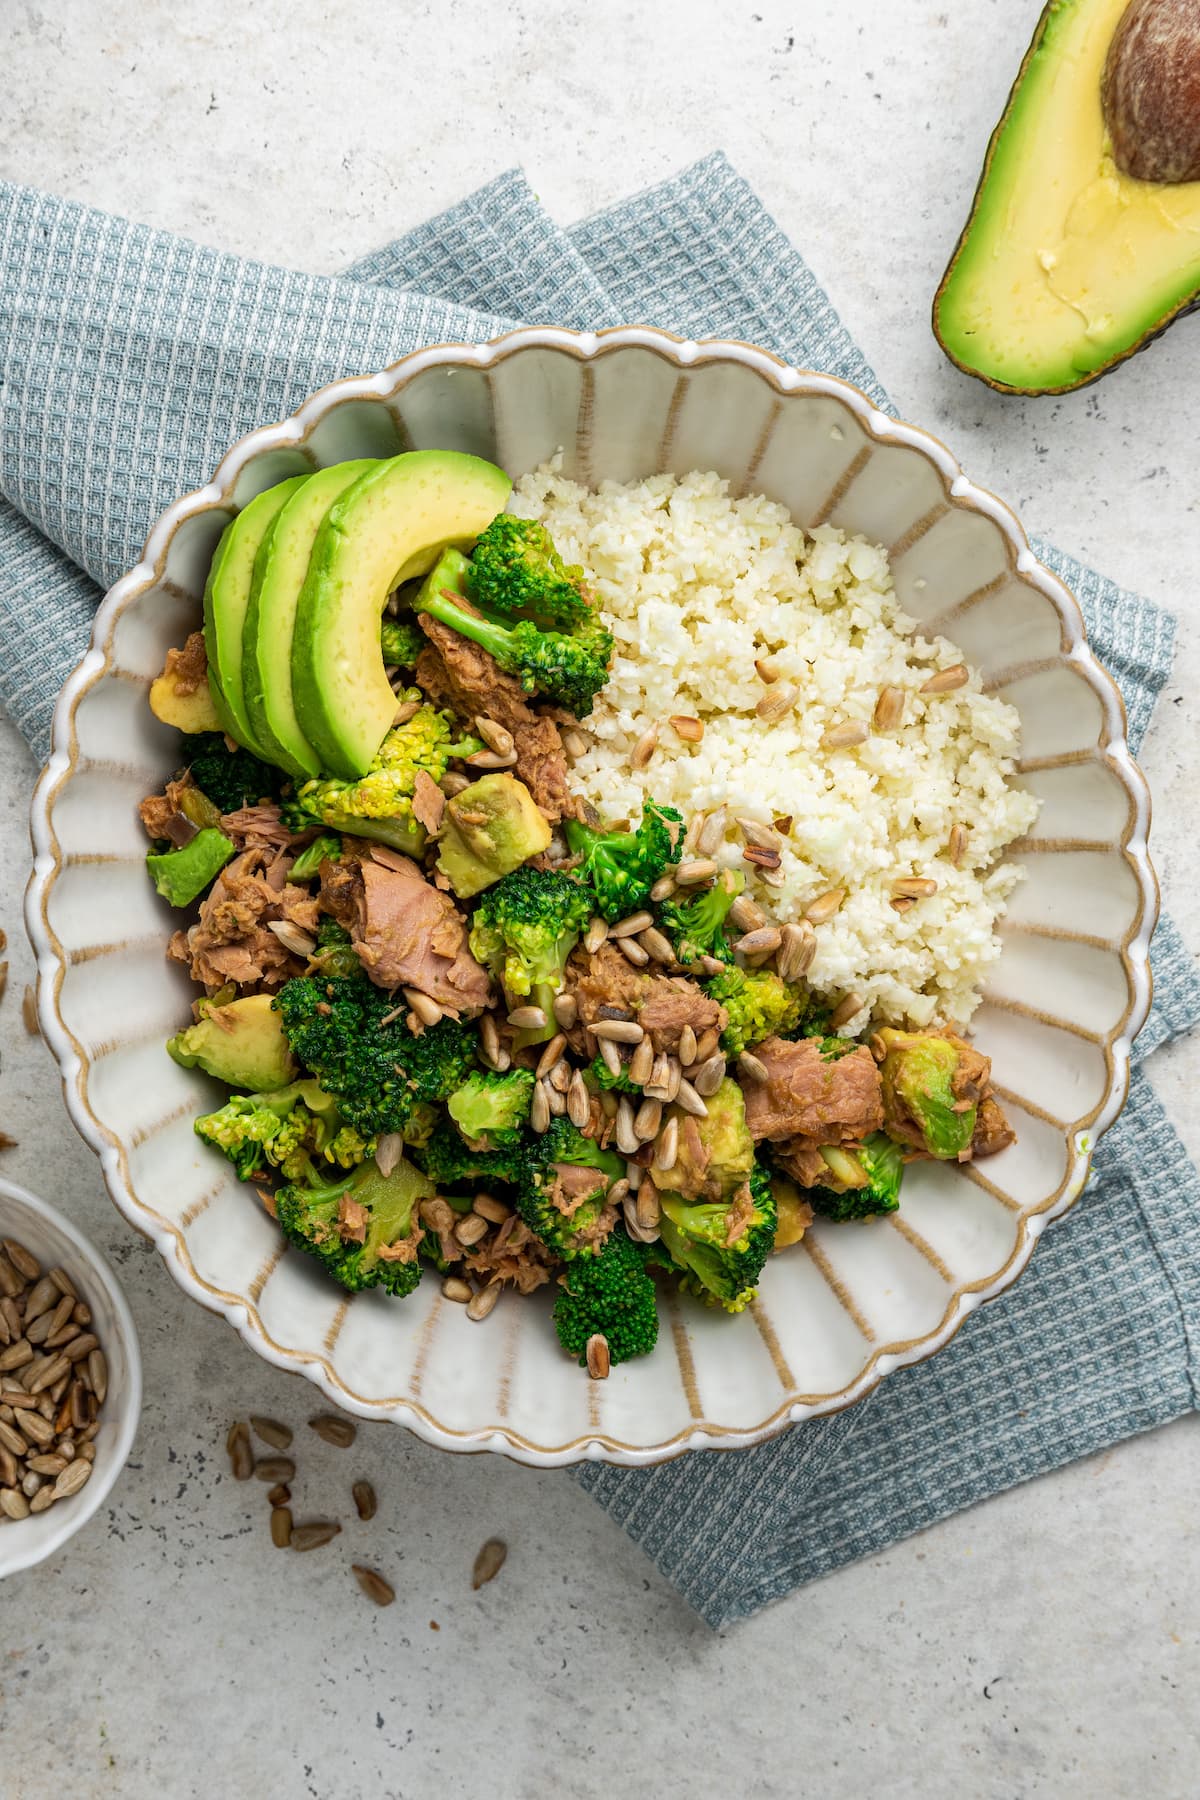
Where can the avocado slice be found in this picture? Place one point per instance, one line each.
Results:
(242, 1043)
(279, 570)
(226, 596)
(180, 875)
(390, 524)
(488, 830)
(1066, 265)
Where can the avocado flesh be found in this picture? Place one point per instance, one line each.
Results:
(242, 1043)
(1066, 266)
(389, 525)
(190, 713)
(226, 597)
(279, 571)
(501, 829)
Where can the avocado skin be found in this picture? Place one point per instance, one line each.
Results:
(1153, 331)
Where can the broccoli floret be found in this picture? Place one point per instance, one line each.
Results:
(309, 861)
(516, 572)
(363, 1229)
(568, 668)
(384, 1076)
(599, 1072)
(621, 867)
(696, 927)
(401, 641)
(570, 1218)
(450, 1162)
(524, 929)
(610, 1294)
(281, 1130)
(230, 778)
(491, 1108)
(862, 1181)
(696, 1238)
(759, 1006)
(379, 804)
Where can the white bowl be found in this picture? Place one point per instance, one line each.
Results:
(56, 1243)
(1062, 1006)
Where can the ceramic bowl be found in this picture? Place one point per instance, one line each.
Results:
(1062, 1004)
(55, 1242)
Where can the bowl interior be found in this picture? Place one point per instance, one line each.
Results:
(56, 1243)
(1069, 990)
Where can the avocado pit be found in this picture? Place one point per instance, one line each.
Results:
(1150, 91)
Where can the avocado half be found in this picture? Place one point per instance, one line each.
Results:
(1066, 265)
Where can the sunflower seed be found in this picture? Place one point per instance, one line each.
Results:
(566, 1010)
(846, 735)
(579, 1106)
(40, 1431)
(767, 668)
(72, 1478)
(763, 941)
(630, 926)
(779, 700)
(687, 1045)
(491, 759)
(81, 1346)
(595, 935)
(97, 1369)
(751, 1067)
(23, 1260)
(691, 874)
(333, 1429)
(597, 1356)
(291, 937)
(689, 1100)
(957, 844)
(40, 1299)
(889, 708)
(16, 1356)
(407, 710)
(824, 906)
(762, 835)
(365, 1503)
(846, 1010)
(453, 1288)
(946, 680)
(313, 1535)
(632, 951)
(619, 1031)
(627, 1140)
(494, 735)
(674, 1077)
(913, 887)
(689, 729)
(470, 1230)
(527, 1018)
(647, 1119)
(44, 1464)
(280, 1494)
(663, 888)
(550, 1055)
(10, 1281)
(667, 1148)
(51, 1373)
(274, 1468)
(381, 1592)
(12, 1440)
(641, 1063)
(489, 1038)
(574, 743)
(426, 1009)
(453, 783)
(560, 1076)
(746, 915)
(489, 1562)
(656, 945)
(640, 1234)
(644, 749)
(491, 1209)
(14, 1503)
(281, 1527)
(62, 1282)
(44, 1498)
(796, 952)
(481, 1304)
(610, 1056)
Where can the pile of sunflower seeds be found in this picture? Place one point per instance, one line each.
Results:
(53, 1381)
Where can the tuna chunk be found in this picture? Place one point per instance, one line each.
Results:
(805, 1096)
(674, 1002)
(232, 939)
(407, 932)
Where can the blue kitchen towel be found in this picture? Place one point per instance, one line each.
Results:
(129, 361)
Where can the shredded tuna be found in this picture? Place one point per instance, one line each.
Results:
(402, 1249)
(803, 1095)
(353, 1219)
(230, 940)
(407, 933)
(993, 1132)
(573, 1185)
(517, 1260)
(673, 1002)
(741, 1211)
(158, 811)
(428, 801)
(261, 824)
(189, 666)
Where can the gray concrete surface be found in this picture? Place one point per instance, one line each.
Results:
(1043, 1644)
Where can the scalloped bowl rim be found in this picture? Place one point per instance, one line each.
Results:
(683, 353)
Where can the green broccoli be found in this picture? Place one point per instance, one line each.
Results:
(401, 641)
(568, 668)
(863, 1180)
(599, 1072)
(516, 572)
(364, 1229)
(284, 1130)
(231, 778)
(759, 1005)
(450, 1162)
(696, 927)
(621, 867)
(490, 1108)
(524, 929)
(308, 863)
(379, 804)
(384, 1077)
(695, 1235)
(611, 1294)
(573, 1217)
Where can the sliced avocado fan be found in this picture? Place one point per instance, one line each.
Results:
(226, 597)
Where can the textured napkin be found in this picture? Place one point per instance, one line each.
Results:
(132, 359)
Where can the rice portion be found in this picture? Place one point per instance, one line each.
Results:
(695, 586)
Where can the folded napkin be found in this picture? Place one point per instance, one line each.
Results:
(156, 354)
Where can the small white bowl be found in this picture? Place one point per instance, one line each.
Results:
(50, 1237)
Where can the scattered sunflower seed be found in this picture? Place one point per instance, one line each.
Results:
(274, 1468)
(335, 1430)
(313, 1535)
(597, 1356)
(889, 708)
(489, 1562)
(481, 1303)
(281, 1527)
(373, 1585)
(271, 1431)
(824, 906)
(751, 1066)
(365, 1502)
(946, 680)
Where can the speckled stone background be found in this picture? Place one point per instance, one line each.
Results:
(1043, 1644)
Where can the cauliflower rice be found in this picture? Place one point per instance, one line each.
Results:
(695, 586)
